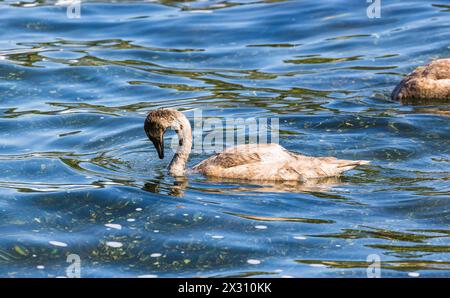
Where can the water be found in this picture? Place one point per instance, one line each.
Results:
(78, 175)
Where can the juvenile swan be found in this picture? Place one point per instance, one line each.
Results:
(430, 82)
(249, 162)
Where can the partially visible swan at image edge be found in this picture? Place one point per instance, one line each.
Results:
(249, 161)
(425, 83)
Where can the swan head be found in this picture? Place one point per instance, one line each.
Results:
(158, 121)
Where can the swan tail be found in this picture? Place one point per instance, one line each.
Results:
(346, 165)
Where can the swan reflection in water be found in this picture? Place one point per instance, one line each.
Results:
(433, 110)
(209, 185)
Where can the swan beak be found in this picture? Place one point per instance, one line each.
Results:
(159, 145)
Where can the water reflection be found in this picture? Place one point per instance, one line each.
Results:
(407, 265)
(436, 111)
(391, 235)
(176, 190)
(288, 219)
(312, 185)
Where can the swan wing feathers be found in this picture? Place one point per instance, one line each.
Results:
(228, 160)
(271, 162)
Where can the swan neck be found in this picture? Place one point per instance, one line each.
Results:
(177, 166)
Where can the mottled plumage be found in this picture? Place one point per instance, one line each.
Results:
(268, 162)
(430, 82)
(271, 162)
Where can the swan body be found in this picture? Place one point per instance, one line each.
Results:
(271, 162)
(268, 162)
(430, 82)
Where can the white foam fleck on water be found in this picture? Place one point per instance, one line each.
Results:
(138, 209)
(217, 236)
(131, 219)
(155, 231)
(413, 274)
(300, 237)
(114, 244)
(200, 11)
(317, 265)
(148, 276)
(155, 255)
(58, 243)
(260, 227)
(40, 267)
(64, 2)
(30, 4)
(279, 270)
(287, 276)
(114, 226)
(253, 262)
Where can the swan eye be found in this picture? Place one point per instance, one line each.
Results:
(180, 142)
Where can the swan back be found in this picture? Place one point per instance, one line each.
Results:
(426, 83)
(271, 162)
